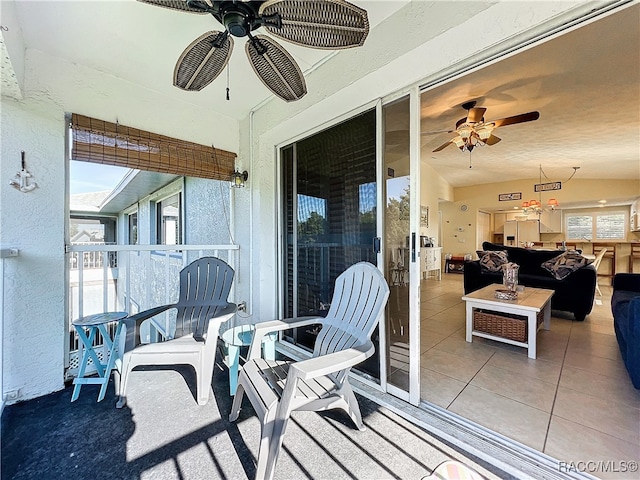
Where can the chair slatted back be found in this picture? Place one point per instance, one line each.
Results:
(359, 297)
(204, 288)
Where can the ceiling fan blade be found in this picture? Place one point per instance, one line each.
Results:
(329, 24)
(523, 117)
(198, 6)
(444, 145)
(276, 68)
(492, 140)
(476, 114)
(437, 132)
(202, 61)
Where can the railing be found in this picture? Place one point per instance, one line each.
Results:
(127, 278)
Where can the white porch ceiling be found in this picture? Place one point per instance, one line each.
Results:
(141, 43)
(585, 83)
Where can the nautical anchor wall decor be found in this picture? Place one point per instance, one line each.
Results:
(21, 181)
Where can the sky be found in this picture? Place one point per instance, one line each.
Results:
(86, 177)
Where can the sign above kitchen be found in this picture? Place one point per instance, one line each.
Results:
(545, 187)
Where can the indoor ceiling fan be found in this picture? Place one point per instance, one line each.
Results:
(472, 131)
(323, 24)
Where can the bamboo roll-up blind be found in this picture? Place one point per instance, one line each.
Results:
(109, 143)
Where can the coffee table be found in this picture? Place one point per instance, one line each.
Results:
(530, 302)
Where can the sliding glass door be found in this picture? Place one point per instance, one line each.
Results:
(330, 218)
(401, 251)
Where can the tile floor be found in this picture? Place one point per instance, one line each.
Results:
(575, 402)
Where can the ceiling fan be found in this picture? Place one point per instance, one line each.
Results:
(322, 24)
(472, 131)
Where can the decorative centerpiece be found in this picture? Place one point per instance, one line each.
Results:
(510, 276)
(506, 294)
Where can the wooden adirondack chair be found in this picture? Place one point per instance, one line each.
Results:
(276, 388)
(201, 309)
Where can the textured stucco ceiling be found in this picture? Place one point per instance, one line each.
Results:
(586, 86)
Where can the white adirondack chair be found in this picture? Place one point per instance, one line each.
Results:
(276, 388)
(201, 308)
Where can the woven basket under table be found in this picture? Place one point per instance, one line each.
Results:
(505, 325)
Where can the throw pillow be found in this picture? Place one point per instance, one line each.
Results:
(565, 264)
(492, 261)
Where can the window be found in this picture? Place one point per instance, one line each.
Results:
(591, 225)
(133, 228)
(169, 220)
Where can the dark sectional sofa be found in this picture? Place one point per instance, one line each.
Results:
(574, 294)
(625, 306)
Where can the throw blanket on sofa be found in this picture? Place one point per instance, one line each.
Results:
(573, 280)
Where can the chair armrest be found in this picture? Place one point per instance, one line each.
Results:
(264, 328)
(221, 316)
(627, 281)
(332, 362)
(132, 324)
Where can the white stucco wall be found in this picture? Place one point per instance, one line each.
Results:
(34, 295)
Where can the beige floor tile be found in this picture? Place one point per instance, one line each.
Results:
(430, 338)
(455, 366)
(428, 309)
(583, 335)
(442, 324)
(571, 443)
(612, 352)
(551, 349)
(530, 391)
(459, 346)
(516, 420)
(439, 389)
(592, 363)
(612, 389)
(522, 365)
(615, 419)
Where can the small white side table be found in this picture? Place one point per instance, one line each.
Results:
(93, 324)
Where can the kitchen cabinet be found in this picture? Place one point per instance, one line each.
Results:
(634, 217)
(498, 222)
(551, 221)
(431, 261)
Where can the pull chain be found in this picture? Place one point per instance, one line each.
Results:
(227, 81)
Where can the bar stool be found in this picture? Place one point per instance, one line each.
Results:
(610, 254)
(634, 255)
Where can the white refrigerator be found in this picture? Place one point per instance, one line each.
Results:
(517, 232)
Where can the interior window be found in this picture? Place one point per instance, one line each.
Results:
(596, 225)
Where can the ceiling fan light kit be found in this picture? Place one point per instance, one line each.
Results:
(321, 24)
(472, 131)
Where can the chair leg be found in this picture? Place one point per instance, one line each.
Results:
(237, 403)
(204, 375)
(351, 405)
(123, 381)
(274, 439)
(265, 466)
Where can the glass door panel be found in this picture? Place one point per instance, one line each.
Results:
(330, 215)
(400, 254)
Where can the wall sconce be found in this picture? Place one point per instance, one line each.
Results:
(238, 178)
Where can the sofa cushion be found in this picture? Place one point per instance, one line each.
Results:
(492, 261)
(529, 260)
(565, 264)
